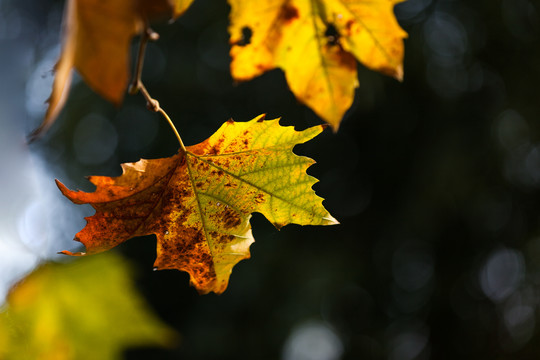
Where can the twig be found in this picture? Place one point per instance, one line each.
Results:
(137, 85)
(136, 82)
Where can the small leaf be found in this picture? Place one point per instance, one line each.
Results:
(316, 42)
(199, 203)
(85, 310)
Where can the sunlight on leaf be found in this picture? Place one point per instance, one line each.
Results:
(315, 42)
(96, 41)
(199, 203)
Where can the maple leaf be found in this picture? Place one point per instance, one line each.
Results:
(199, 203)
(316, 42)
(87, 309)
(96, 40)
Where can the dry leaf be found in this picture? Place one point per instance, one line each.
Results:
(199, 203)
(96, 40)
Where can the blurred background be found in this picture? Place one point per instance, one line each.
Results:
(435, 180)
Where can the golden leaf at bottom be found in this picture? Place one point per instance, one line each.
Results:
(85, 310)
(199, 203)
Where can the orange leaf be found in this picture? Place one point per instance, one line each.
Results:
(316, 42)
(96, 40)
(199, 203)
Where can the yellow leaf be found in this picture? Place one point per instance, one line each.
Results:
(199, 203)
(180, 6)
(87, 309)
(96, 40)
(316, 42)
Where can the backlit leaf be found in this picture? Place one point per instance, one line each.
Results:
(85, 310)
(96, 40)
(199, 203)
(316, 42)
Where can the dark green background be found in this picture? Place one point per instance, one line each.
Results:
(435, 181)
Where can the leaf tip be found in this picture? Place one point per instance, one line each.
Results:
(330, 220)
(334, 128)
(334, 125)
(278, 226)
(260, 118)
(63, 189)
(399, 73)
(66, 252)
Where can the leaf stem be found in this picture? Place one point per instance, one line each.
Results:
(137, 84)
(162, 112)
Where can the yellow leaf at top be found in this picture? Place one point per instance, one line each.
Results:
(199, 203)
(85, 310)
(96, 39)
(180, 6)
(316, 42)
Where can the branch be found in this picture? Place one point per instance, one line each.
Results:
(137, 85)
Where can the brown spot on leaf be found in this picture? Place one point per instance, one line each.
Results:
(346, 60)
(288, 13)
(348, 27)
(259, 198)
(202, 166)
(225, 239)
(182, 160)
(230, 218)
(216, 147)
(202, 271)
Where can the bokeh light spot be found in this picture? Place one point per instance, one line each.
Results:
(94, 139)
(502, 274)
(313, 340)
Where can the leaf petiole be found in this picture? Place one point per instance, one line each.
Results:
(162, 112)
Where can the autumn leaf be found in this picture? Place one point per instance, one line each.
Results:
(96, 41)
(199, 203)
(87, 309)
(316, 42)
